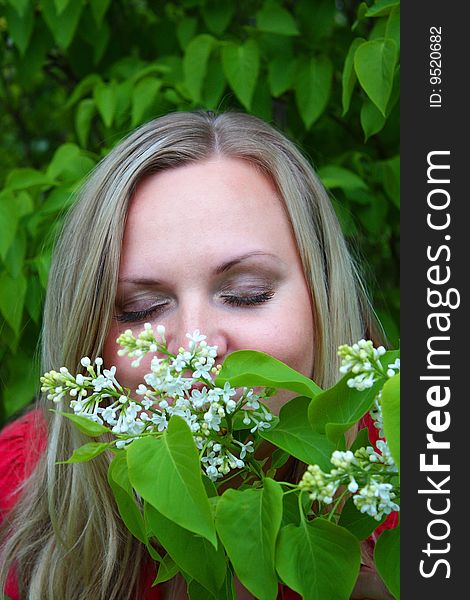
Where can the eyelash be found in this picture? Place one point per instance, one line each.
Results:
(141, 315)
(248, 300)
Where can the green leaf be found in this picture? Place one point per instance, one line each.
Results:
(280, 74)
(69, 164)
(167, 569)
(86, 452)
(85, 425)
(295, 435)
(118, 479)
(387, 559)
(8, 221)
(124, 92)
(372, 120)
(359, 524)
(83, 116)
(318, 559)
(251, 368)
(333, 176)
(214, 83)
(390, 400)
(85, 86)
(381, 8)
(43, 263)
(24, 204)
(20, 179)
(21, 6)
(34, 298)
(313, 86)
(391, 179)
(272, 18)
(279, 458)
(375, 63)
(290, 509)
(63, 25)
(166, 472)
(316, 20)
(105, 99)
(192, 553)
(261, 105)
(217, 14)
(241, 66)
(15, 256)
(12, 296)
(335, 410)
(392, 29)
(349, 77)
(185, 31)
(143, 98)
(99, 8)
(20, 27)
(61, 5)
(21, 385)
(362, 439)
(374, 217)
(58, 199)
(195, 61)
(256, 514)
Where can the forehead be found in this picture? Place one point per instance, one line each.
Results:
(205, 211)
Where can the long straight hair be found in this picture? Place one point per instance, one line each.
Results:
(65, 537)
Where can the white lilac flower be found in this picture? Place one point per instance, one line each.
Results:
(342, 460)
(109, 415)
(353, 485)
(248, 447)
(213, 473)
(376, 499)
(228, 392)
(251, 400)
(179, 363)
(362, 381)
(199, 397)
(393, 368)
(194, 338)
(202, 371)
(363, 361)
(168, 390)
(101, 382)
(160, 421)
(212, 420)
(147, 403)
(230, 406)
(320, 485)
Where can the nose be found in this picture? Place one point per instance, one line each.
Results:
(196, 314)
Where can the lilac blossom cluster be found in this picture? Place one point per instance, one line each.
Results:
(181, 384)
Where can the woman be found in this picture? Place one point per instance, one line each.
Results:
(194, 221)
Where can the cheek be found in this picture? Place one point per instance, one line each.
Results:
(289, 336)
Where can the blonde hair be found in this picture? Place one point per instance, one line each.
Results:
(65, 538)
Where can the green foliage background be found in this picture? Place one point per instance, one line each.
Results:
(78, 75)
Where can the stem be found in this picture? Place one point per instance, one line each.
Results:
(337, 503)
(301, 507)
(255, 468)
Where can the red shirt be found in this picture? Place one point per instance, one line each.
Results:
(21, 444)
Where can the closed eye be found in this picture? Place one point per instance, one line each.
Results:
(140, 315)
(247, 300)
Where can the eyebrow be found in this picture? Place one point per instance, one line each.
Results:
(219, 269)
(226, 266)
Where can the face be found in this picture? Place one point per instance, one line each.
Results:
(208, 246)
